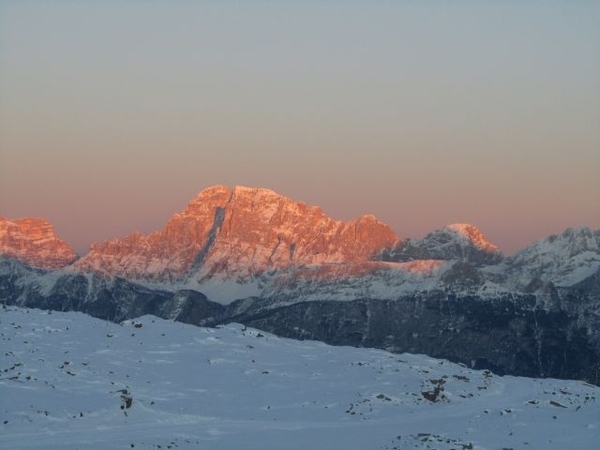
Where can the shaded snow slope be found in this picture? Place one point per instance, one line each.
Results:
(69, 381)
(564, 259)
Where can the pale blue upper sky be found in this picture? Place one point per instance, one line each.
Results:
(113, 115)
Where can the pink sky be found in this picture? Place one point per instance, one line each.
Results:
(113, 117)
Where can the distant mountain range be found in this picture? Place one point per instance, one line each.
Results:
(252, 256)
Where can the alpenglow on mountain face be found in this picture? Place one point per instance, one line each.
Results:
(243, 231)
(34, 242)
(255, 257)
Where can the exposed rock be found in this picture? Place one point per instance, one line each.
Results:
(244, 231)
(287, 268)
(33, 241)
(190, 307)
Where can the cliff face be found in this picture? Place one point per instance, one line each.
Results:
(34, 242)
(244, 231)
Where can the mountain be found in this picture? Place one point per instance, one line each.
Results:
(33, 241)
(564, 259)
(254, 257)
(241, 231)
(462, 242)
(70, 381)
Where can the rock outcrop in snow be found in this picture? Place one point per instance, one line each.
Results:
(33, 241)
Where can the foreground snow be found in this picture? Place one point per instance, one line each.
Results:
(68, 381)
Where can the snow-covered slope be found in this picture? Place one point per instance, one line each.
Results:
(369, 279)
(563, 259)
(70, 381)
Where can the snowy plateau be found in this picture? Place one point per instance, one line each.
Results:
(69, 381)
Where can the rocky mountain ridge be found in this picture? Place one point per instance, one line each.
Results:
(254, 257)
(458, 241)
(245, 231)
(564, 259)
(33, 241)
(233, 243)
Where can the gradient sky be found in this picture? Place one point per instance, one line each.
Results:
(113, 115)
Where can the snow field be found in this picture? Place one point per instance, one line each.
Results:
(69, 381)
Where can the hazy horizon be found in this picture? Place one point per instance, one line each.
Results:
(113, 116)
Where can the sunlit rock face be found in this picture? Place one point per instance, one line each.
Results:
(241, 231)
(34, 242)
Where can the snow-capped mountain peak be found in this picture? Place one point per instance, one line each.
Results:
(473, 236)
(462, 242)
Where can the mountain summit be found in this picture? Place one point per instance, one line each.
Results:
(33, 241)
(239, 230)
(562, 259)
(459, 241)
